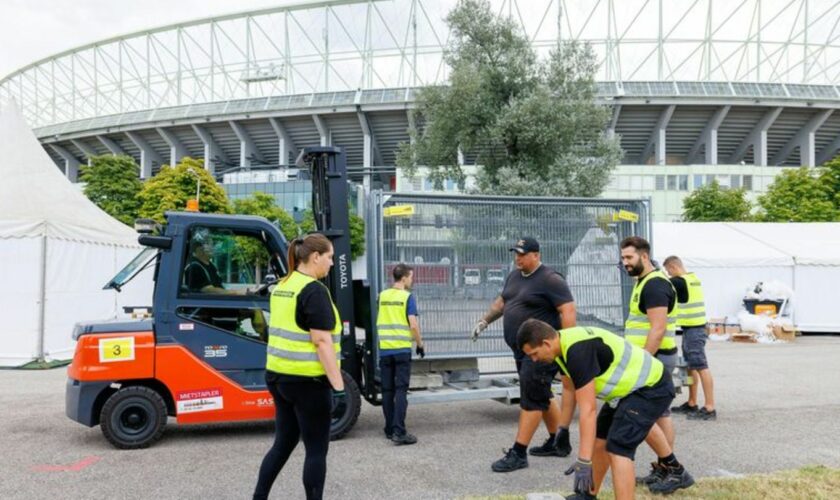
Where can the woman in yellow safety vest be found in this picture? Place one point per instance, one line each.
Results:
(303, 370)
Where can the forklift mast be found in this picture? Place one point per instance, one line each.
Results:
(328, 169)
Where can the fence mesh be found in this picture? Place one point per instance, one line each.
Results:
(459, 249)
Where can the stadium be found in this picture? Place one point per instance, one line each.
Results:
(700, 90)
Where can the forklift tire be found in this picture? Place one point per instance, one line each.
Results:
(342, 424)
(133, 417)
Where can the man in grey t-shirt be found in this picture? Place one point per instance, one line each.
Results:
(534, 291)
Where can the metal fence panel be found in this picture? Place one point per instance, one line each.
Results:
(459, 249)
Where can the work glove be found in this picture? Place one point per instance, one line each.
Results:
(421, 350)
(479, 327)
(582, 469)
(339, 403)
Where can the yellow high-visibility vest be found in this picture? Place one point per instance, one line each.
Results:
(632, 367)
(693, 312)
(637, 326)
(392, 324)
(290, 350)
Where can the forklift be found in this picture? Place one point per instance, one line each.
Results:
(199, 355)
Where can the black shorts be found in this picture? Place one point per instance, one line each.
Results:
(694, 347)
(626, 426)
(535, 384)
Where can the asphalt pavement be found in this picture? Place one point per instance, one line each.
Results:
(777, 407)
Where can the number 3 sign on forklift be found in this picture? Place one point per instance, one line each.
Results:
(128, 377)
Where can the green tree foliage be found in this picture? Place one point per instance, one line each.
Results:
(112, 183)
(357, 231)
(711, 203)
(830, 179)
(533, 125)
(173, 186)
(800, 195)
(263, 205)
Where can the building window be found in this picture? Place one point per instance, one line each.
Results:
(748, 183)
(416, 183)
(710, 179)
(672, 183)
(683, 182)
(698, 181)
(660, 182)
(735, 181)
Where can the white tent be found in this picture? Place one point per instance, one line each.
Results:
(57, 250)
(730, 257)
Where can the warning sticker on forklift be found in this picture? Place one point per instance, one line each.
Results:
(199, 400)
(116, 349)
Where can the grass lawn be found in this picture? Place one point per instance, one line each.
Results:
(813, 482)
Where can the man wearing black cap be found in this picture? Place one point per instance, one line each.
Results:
(534, 291)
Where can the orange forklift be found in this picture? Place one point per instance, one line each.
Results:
(200, 355)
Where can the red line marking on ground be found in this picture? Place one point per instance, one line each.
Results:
(74, 467)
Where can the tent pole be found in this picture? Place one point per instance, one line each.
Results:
(43, 299)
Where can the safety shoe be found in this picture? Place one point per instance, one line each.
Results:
(671, 481)
(581, 496)
(703, 414)
(685, 409)
(510, 462)
(552, 448)
(403, 439)
(657, 472)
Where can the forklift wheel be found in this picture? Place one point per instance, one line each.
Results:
(133, 417)
(341, 424)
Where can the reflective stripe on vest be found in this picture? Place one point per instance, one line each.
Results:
(693, 312)
(631, 369)
(392, 325)
(290, 349)
(637, 326)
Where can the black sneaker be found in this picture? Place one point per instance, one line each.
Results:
(403, 439)
(672, 481)
(685, 409)
(657, 472)
(552, 448)
(581, 496)
(703, 414)
(510, 462)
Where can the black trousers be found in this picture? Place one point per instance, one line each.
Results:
(395, 371)
(303, 412)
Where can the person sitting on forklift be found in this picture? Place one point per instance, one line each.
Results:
(396, 324)
(302, 366)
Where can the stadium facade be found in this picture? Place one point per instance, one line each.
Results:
(699, 90)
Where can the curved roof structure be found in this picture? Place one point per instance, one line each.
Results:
(754, 80)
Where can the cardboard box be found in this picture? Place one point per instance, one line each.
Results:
(746, 337)
(785, 332)
(732, 329)
(716, 326)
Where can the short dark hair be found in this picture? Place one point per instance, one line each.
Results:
(640, 244)
(401, 271)
(672, 259)
(532, 332)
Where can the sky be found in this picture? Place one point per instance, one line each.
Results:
(33, 29)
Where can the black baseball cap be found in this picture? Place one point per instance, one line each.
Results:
(525, 245)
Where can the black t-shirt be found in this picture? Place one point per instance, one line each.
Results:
(314, 310)
(199, 275)
(587, 359)
(681, 287)
(658, 293)
(538, 296)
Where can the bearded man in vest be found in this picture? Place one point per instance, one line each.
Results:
(635, 387)
(651, 323)
(396, 326)
(691, 319)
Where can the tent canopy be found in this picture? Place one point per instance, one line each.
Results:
(714, 244)
(36, 200)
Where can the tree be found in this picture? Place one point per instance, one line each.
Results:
(112, 183)
(357, 231)
(710, 203)
(173, 186)
(534, 126)
(798, 195)
(830, 179)
(263, 205)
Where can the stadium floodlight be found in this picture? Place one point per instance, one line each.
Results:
(263, 74)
